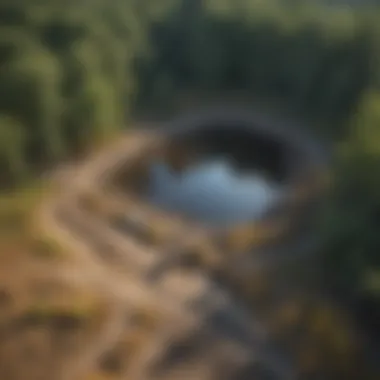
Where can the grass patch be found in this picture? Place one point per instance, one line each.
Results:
(45, 247)
(19, 239)
(71, 309)
(17, 206)
(17, 209)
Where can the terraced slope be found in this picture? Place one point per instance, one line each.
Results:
(186, 278)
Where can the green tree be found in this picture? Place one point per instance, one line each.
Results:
(12, 151)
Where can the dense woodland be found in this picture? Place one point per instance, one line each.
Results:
(73, 72)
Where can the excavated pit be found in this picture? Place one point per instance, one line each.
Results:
(231, 172)
(222, 172)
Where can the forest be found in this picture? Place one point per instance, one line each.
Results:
(74, 72)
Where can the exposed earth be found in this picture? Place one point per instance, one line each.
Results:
(117, 288)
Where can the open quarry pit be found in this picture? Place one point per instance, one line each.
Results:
(199, 216)
(244, 181)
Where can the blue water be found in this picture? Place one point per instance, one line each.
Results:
(212, 192)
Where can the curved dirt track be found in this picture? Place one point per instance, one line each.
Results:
(188, 300)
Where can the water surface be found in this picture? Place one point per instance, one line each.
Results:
(212, 192)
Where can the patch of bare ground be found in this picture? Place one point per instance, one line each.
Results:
(52, 317)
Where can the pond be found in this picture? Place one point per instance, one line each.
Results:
(213, 192)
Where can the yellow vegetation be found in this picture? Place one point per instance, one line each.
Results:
(74, 305)
(45, 246)
(16, 208)
(245, 237)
